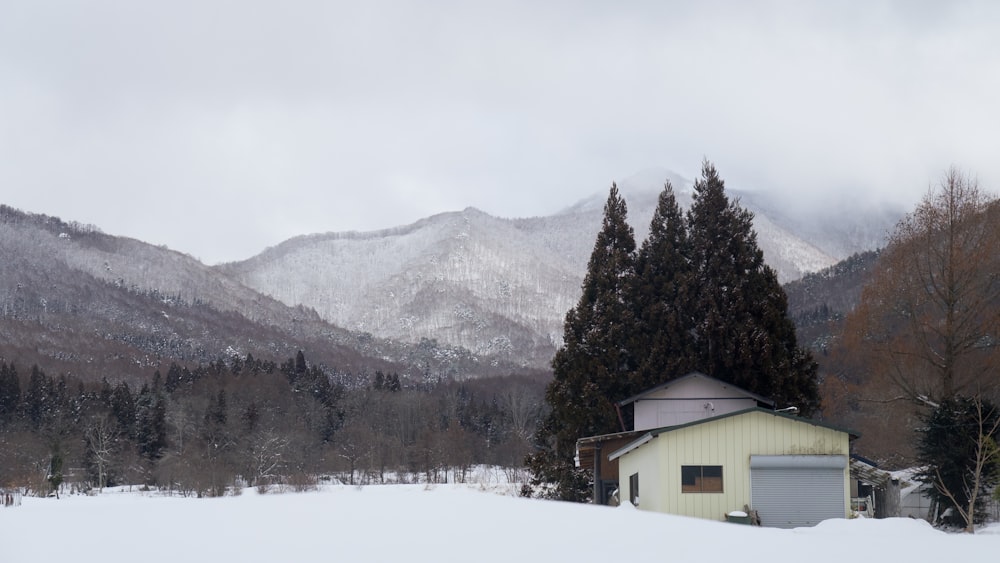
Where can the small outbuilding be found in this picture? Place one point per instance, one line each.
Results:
(692, 397)
(705, 448)
(790, 472)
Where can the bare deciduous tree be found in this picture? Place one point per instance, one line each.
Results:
(354, 443)
(266, 456)
(929, 318)
(524, 407)
(102, 437)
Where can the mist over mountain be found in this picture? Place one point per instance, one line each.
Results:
(501, 287)
(458, 294)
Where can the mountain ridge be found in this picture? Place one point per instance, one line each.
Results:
(75, 300)
(494, 286)
(455, 294)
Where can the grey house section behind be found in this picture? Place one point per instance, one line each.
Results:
(693, 397)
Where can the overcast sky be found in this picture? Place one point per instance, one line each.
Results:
(219, 128)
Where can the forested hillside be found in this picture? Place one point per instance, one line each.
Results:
(77, 301)
(465, 279)
(819, 302)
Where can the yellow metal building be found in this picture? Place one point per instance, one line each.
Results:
(789, 471)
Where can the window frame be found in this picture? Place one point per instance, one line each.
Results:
(702, 482)
(633, 489)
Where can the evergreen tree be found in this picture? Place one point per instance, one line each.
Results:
(392, 383)
(105, 393)
(697, 296)
(300, 363)
(174, 378)
(295, 368)
(151, 423)
(37, 399)
(947, 450)
(55, 475)
(660, 298)
(217, 412)
(10, 392)
(123, 408)
(251, 418)
(742, 333)
(591, 370)
(217, 441)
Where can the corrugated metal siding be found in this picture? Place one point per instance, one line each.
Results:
(729, 442)
(643, 460)
(797, 494)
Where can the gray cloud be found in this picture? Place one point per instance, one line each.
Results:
(218, 128)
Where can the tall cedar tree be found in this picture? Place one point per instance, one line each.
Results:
(592, 369)
(742, 331)
(662, 341)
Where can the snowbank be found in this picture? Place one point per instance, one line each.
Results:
(432, 523)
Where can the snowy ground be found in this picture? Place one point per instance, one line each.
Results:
(436, 523)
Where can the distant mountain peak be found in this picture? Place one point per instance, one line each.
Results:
(652, 180)
(638, 190)
(497, 287)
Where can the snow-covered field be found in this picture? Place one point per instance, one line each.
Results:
(436, 523)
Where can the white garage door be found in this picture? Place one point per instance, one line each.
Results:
(791, 491)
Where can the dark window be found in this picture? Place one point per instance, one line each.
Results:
(701, 478)
(633, 489)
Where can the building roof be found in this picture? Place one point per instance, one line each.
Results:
(649, 435)
(607, 437)
(587, 448)
(866, 471)
(696, 375)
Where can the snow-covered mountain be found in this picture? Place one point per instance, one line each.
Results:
(489, 285)
(76, 300)
(456, 294)
(502, 287)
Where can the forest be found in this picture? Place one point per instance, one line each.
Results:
(248, 422)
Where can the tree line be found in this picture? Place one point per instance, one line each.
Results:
(250, 422)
